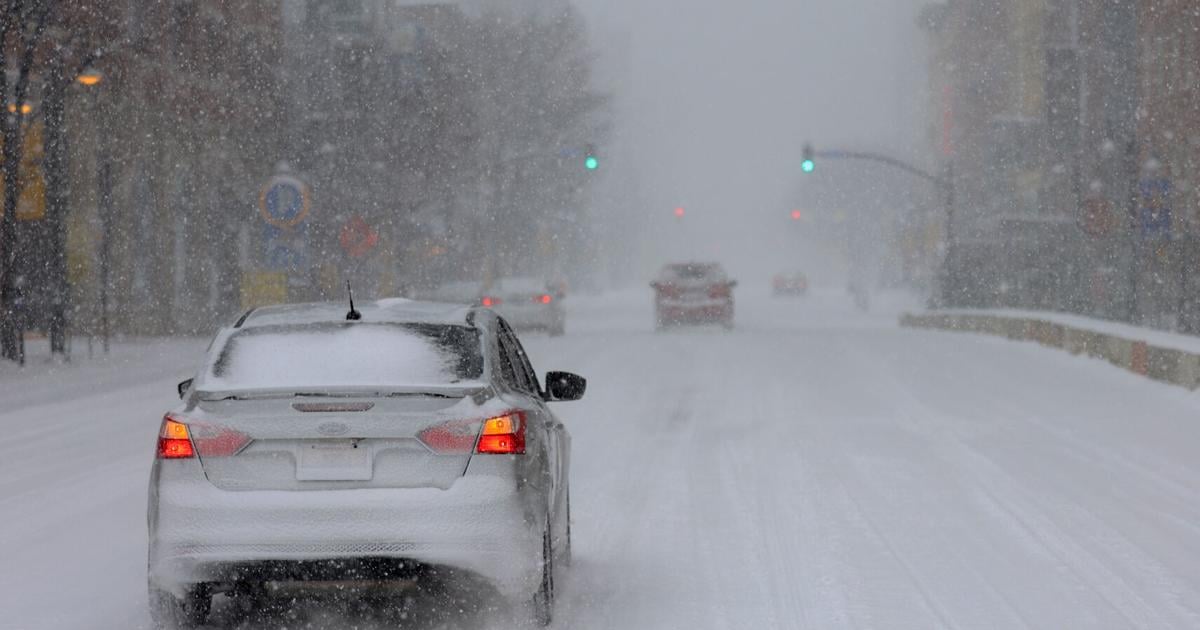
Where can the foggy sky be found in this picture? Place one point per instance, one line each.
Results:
(717, 97)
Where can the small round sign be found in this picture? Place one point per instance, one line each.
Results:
(284, 202)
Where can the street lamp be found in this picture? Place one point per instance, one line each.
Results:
(92, 78)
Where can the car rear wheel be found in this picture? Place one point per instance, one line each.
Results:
(172, 613)
(542, 604)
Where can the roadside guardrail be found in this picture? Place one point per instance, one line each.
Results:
(1166, 364)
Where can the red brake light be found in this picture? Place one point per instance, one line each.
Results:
(546, 299)
(174, 441)
(216, 441)
(450, 438)
(503, 435)
(497, 435)
(177, 440)
(490, 301)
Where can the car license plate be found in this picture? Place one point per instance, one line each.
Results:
(328, 460)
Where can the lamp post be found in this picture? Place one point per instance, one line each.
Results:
(92, 79)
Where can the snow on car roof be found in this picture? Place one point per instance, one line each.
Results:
(395, 310)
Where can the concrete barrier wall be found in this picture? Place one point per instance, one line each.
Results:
(1168, 365)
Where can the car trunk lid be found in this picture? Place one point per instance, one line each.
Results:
(263, 442)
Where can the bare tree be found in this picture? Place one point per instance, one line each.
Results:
(22, 25)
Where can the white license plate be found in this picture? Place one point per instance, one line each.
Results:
(333, 461)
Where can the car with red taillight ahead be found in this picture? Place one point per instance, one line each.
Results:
(528, 303)
(404, 441)
(793, 284)
(693, 293)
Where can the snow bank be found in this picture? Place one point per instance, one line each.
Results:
(1163, 356)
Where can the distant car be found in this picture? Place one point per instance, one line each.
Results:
(693, 293)
(407, 444)
(527, 304)
(790, 284)
(457, 292)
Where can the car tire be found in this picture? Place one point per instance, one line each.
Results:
(541, 606)
(172, 613)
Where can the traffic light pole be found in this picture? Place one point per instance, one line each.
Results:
(949, 286)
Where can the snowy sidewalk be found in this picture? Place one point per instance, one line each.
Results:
(129, 362)
(1163, 356)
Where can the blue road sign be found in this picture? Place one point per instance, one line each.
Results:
(284, 202)
(285, 250)
(1154, 208)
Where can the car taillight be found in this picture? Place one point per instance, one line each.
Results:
(217, 441)
(174, 441)
(178, 440)
(503, 435)
(497, 435)
(490, 301)
(456, 437)
(545, 299)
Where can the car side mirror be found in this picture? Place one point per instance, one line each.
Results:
(184, 386)
(564, 386)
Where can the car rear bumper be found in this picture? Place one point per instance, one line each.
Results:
(200, 533)
(700, 312)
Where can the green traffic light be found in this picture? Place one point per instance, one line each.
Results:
(592, 163)
(808, 166)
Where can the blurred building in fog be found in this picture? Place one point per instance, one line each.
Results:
(166, 153)
(1072, 127)
(1165, 163)
(381, 122)
(439, 140)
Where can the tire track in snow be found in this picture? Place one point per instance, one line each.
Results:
(1031, 514)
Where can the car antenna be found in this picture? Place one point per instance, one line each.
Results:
(353, 315)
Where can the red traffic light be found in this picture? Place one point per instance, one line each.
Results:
(679, 212)
(797, 215)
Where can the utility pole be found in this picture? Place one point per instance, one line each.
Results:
(55, 169)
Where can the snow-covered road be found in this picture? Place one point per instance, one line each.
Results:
(816, 468)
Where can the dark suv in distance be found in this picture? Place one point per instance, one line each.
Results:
(693, 293)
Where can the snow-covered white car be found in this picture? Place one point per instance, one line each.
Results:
(527, 304)
(398, 441)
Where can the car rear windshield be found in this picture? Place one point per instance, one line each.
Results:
(520, 286)
(692, 272)
(351, 354)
